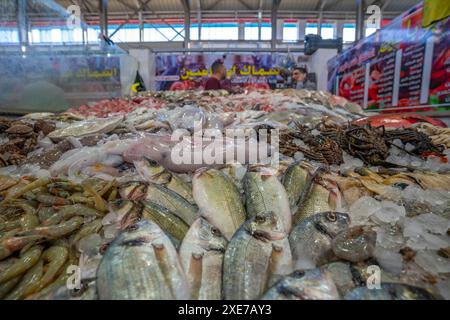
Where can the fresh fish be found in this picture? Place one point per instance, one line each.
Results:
(201, 255)
(263, 193)
(324, 196)
(343, 276)
(354, 244)
(294, 181)
(86, 127)
(181, 187)
(314, 284)
(310, 240)
(151, 171)
(172, 201)
(219, 200)
(167, 220)
(391, 291)
(141, 263)
(257, 255)
(133, 190)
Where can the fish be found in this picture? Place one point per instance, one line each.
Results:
(219, 200)
(324, 196)
(264, 192)
(313, 284)
(343, 276)
(86, 127)
(295, 181)
(141, 264)
(257, 255)
(354, 244)
(151, 171)
(166, 219)
(391, 291)
(172, 201)
(181, 187)
(201, 255)
(311, 239)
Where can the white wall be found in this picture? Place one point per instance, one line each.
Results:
(145, 60)
(318, 64)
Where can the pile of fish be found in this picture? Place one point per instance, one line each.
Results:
(98, 209)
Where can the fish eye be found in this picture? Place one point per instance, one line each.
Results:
(132, 227)
(215, 232)
(260, 219)
(299, 273)
(331, 216)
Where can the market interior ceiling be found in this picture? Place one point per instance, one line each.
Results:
(201, 9)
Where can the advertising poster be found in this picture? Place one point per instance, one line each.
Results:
(403, 65)
(56, 82)
(181, 72)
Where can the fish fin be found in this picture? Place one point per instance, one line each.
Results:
(195, 274)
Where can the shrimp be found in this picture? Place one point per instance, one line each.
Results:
(11, 245)
(52, 200)
(70, 211)
(25, 262)
(28, 283)
(56, 231)
(87, 229)
(99, 202)
(31, 186)
(55, 257)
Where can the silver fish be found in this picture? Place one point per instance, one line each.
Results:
(313, 284)
(141, 263)
(257, 255)
(310, 240)
(219, 200)
(263, 193)
(172, 201)
(201, 255)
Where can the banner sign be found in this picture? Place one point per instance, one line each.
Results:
(402, 65)
(74, 79)
(177, 72)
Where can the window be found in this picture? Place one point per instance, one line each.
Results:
(9, 35)
(328, 31)
(311, 28)
(127, 33)
(163, 32)
(194, 31)
(370, 29)
(251, 31)
(349, 33)
(220, 31)
(290, 32)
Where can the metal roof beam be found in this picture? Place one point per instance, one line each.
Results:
(245, 4)
(213, 5)
(133, 15)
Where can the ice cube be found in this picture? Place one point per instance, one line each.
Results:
(389, 212)
(390, 238)
(390, 261)
(434, 242)
(434, 223)
(398, 143)
(362, 209)
(412, 228)
(431, 262)
(315, 132)
(417, 243)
